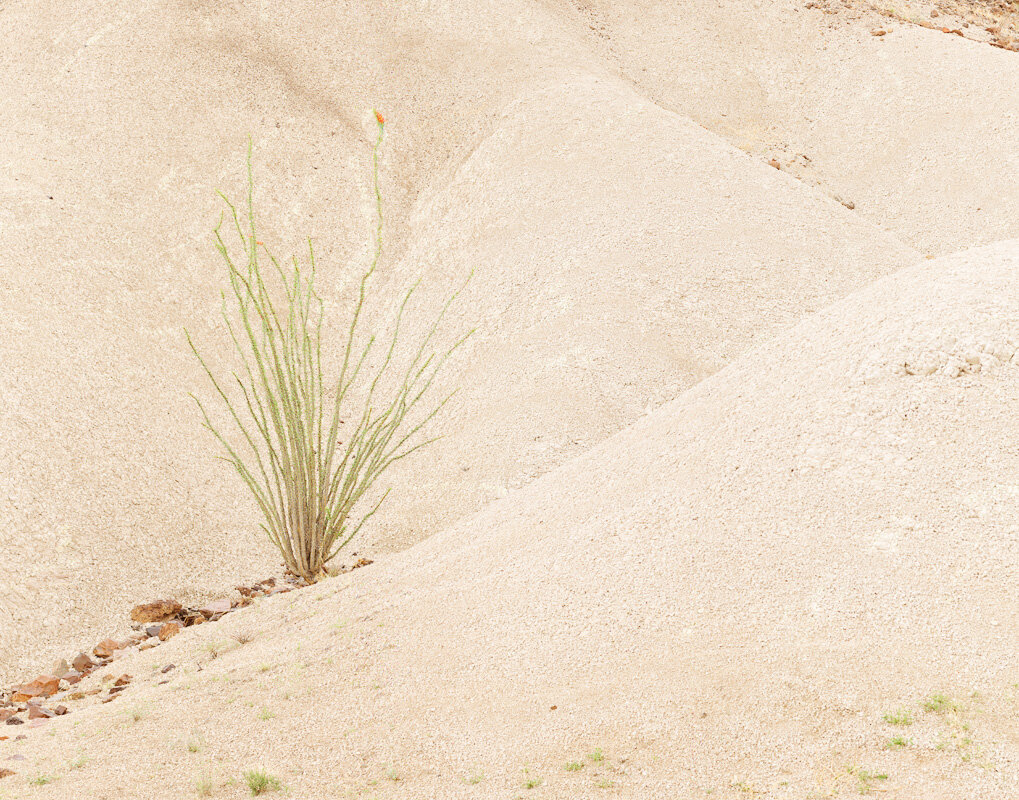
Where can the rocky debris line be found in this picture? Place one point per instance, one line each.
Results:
(993, 22)
(153, 623)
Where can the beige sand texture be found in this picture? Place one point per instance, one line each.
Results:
(723, 592)
(726, 597)
(129, 118)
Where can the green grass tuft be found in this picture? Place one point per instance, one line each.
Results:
(901, 717)
(260, 782)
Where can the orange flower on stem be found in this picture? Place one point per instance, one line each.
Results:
(381, 120)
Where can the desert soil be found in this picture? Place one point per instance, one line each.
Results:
(726, 503)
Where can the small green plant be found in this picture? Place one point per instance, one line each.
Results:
(605, 783)
(42, 780)
(266, 714)
(305, 481)
(475, 779)
(193, 745)
(574, 766)
(901, 717)
(203, 787)
(865, 779)
(215, 649)
(939, 703)
(897, 743)
(597, 756)
(260, 782)
(532, 783)
(393, 775)
(78, 763)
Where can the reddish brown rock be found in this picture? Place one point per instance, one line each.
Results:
(43, 686)
(7, 713)
(71, 676)
(6, 773)
(107, 647)
(60, 711)
(169, 630)
(82, 663)
(216, 608)
(123, 680)
(278, 590)
(15, 721)
(158, 611)
(38, 712)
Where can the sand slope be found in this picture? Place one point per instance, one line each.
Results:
(623, 254)
(727, 595)
(918, 128)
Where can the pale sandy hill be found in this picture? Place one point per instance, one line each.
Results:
(918, 128)
(725, 598)
(623, 254)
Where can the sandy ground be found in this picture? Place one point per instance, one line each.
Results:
(682, 476)
(727, 597)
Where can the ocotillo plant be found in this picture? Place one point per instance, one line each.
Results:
(288, 417)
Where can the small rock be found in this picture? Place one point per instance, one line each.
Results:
(167, 668)
(124, 653)
(6, 773)
(215, 609)
(16, 756)
(59, 668)
(152, 630)
(278, 590)
(934, 12)
(123, 680)
(7, 713)
(82, 663)
(38, 712)
(15, 721)
(72, 676)
(878, 32)
(169, 630)
(107, 647)
(158, 611)
(774, 163)
(60, 711)
(43, 686)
